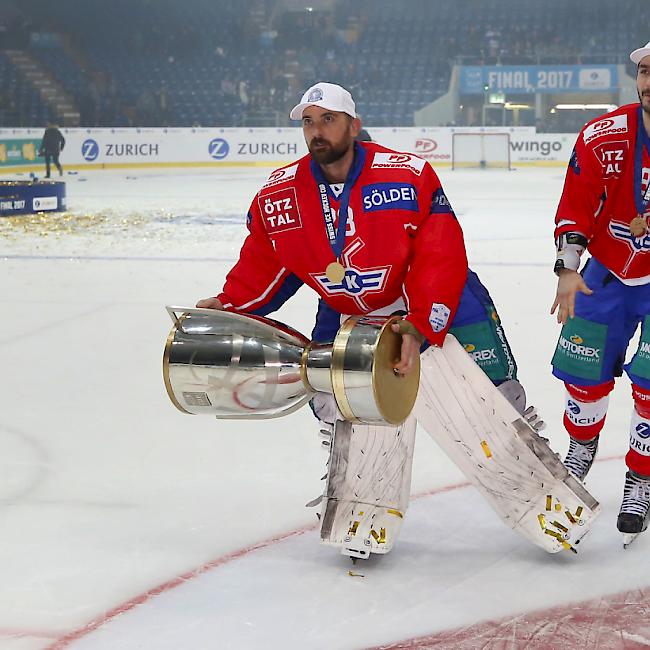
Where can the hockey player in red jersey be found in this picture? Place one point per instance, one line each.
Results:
(371, 231)
(604, 209)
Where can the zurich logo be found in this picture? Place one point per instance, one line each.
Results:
(315, 95)
(643, 430)
(573, 407)
(89, 150)
(218, 148)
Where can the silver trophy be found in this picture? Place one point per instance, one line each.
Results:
(250, 367)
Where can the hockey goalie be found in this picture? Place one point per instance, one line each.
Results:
(497, 448)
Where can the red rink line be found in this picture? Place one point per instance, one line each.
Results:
(74, 635)
(612, 622)
(16, 633)
(77, 634)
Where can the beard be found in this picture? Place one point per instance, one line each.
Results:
(325, 153)
(646, 96)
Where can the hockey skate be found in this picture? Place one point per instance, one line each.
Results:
(580, 457)
(635, 510)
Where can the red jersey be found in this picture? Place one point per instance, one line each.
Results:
(401, 240)
(603, 192)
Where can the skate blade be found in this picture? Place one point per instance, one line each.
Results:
(628, 538)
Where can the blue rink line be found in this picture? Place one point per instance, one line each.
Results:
(122, 258)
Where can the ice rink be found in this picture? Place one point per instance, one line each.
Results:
(126, 524)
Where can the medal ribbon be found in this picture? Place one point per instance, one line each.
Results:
(336, 236)
(641, 199)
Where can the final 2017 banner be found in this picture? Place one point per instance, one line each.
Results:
(524, 79)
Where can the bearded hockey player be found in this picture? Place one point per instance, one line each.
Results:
(372, 232)
(604, 209)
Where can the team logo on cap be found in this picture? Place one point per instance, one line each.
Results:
(315, 95)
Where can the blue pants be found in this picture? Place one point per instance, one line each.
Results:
(592, 346)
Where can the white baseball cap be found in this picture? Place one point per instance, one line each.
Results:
(640, 53)
(330, 96)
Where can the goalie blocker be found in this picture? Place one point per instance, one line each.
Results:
(501, 454)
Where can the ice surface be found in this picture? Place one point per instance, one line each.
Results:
(126, 524)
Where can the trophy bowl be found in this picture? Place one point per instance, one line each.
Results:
(244, 366)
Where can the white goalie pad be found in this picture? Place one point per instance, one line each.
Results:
(520, 476)
(368, 486)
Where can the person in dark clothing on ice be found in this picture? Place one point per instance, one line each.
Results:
(51, 146)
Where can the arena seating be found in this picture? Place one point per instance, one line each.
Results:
(229, 63)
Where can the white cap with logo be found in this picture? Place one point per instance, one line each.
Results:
(640, 53)
(326, 95)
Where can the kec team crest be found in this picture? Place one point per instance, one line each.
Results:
(357, 281)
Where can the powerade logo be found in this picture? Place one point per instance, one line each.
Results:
(89, 150)
(389, 196)
(218, 148)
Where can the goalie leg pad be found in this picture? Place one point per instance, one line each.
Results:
(368, 486)
(522, 479)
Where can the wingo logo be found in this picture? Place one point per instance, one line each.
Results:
(89, 150)
(218, 148)
(643, 430)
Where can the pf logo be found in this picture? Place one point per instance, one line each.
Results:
(399, 158)
(425, 145)
(605, 124)
(276, 175)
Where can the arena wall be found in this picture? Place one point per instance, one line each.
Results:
(203, 147)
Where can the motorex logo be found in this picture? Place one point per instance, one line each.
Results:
(90, 149)
(218, 148)
(643, 430)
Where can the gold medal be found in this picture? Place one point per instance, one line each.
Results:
(638, 226)
(335, 272)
